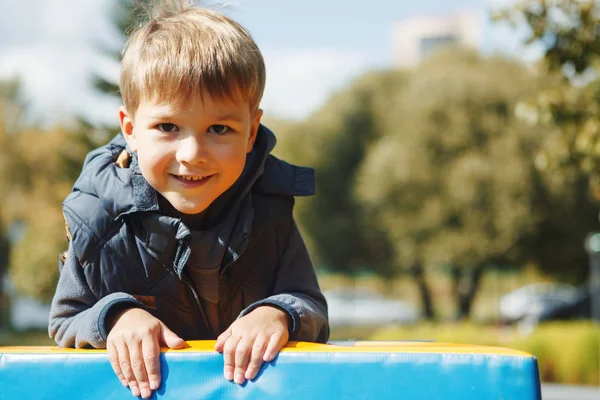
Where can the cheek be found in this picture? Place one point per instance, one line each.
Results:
(232, 160)
(153, 163)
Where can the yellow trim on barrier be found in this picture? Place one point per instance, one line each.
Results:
(207, 346)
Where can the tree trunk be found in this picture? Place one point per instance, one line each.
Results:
(417, 272)
(465, 285)
(4, 300)
(4, 310)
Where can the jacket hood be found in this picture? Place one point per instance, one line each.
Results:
(123, 190)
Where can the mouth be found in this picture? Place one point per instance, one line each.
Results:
(192, 180)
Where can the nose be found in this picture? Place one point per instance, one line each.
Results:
(192, 149)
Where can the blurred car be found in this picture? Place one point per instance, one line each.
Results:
(361, 306)
(538, 301)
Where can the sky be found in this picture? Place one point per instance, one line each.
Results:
(312, 48)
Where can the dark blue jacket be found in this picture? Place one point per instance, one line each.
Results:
(125, 252)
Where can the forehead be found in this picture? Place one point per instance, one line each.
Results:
(201, 104)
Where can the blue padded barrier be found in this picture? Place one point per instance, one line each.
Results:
(361, 370)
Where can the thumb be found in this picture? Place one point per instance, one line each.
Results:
(170, 338)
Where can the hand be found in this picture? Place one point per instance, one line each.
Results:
(252, 339)
(133, 346)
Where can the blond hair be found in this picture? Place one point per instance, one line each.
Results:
(182, 51)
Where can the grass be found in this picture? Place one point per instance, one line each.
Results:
(567, 352)
(26, 338)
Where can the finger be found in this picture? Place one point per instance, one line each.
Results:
(113, 357)
(276, 342)
(136, 359)
(125, 365)
(221, 340)
(151, 354)
(242, 357)
(170, 338)
(256, 360)
(229, 356)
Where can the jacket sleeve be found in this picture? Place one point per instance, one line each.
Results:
(77, 316)
(297, 292)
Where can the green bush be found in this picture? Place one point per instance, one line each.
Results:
(567, 352)
(27, 338)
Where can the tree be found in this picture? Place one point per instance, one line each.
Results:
(4, 301)
(37, 170)
(10, 117)
(568, 161)
(335, 141)
(569, 33)
(452, 179)
(46, 177)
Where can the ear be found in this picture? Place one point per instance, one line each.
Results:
(126, 121)
(255, 125)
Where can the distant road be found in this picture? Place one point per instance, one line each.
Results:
(568, 392)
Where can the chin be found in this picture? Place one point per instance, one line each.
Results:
(191, 210)
(188, 207)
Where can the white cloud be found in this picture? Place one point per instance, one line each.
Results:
(56, 81)
(299, 81)
(53, 47)
(56, 56)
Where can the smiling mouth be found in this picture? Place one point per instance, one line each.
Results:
(192, 179)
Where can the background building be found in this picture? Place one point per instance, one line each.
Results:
(416, 38)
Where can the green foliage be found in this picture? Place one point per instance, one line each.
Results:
(568, 160)
(569, 32)
(335, 141)
(435, 165)
(41, 180)
(451, 180)
(37, 170)
(34, 258)
(567, 352)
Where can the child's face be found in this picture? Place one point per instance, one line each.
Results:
(194, 155)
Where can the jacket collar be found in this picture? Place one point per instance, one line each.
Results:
(124, 191)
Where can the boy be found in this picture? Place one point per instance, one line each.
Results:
(181, 228)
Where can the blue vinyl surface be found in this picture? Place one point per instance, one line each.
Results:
(293, 375)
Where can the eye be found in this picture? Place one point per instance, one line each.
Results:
(219, 129)
(167, 127)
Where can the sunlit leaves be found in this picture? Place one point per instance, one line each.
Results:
(37, 168)
(569, 32)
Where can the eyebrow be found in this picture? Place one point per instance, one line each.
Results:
(229, 117)
(161, 117)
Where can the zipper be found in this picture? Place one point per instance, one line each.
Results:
(186, 279)
(222, 273)
(188, 282)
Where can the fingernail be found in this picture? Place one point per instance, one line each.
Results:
(135, 391)
(229, 375)
(145, 393)
(124, 382)
(239, 379)
(154, 385)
